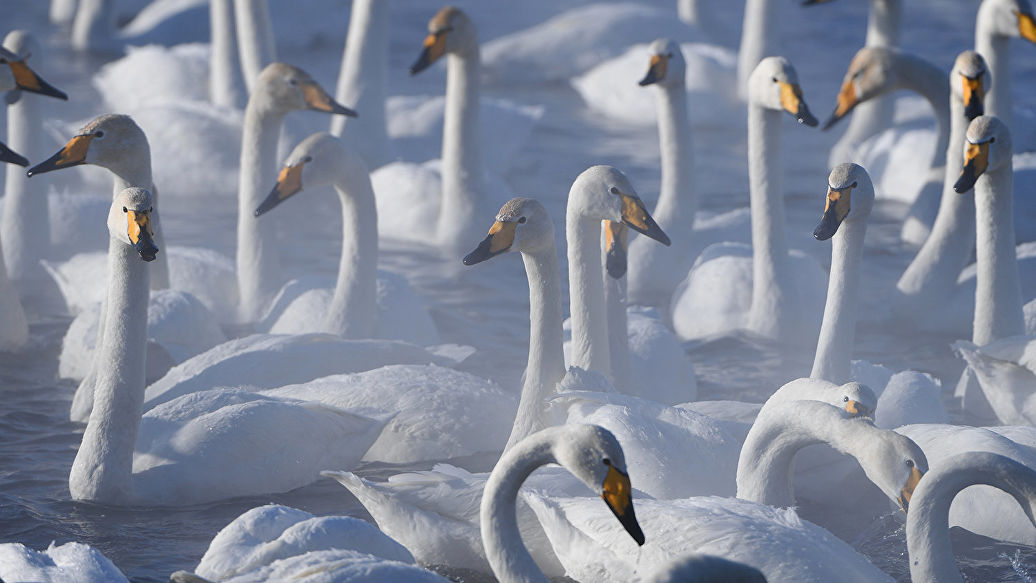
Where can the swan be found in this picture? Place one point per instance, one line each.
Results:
(279, 90)
(714, 296)
(180, 452)
(352, 309)
(255, 42)
(226, 84)
(927, 528)
(1005, 369)
(996, 23)
(706, 569)
(760, 31)
(68, 563)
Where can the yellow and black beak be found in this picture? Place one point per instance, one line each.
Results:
(847, 100)
(27, 80)
(857, 409)
(618, 495)
(636, 217)
(73, 154)
(140, 234)
(835, 210)
(908, 490)
(11, 157)
(318, 100)
(1027, 26)
(289, 182)
(976, 159)
(615, 235)
(973, 95)
(499, 240)
(433, 48)
(656, 70)
(793, 103)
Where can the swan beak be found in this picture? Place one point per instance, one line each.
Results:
(1027, 27)
(499, 240)
(615, 235)
(857, 409)
(73, 154)
(318, 99)
(908, 490)
(814, 2)
(618, 495)
(140, 234)
(27, 80)
(976, 159)
(656, 70)
(10, 156)
(289, 182)
(433, 48)
(636, 217)
(972, 97)
(835, 210)
(793, 103)
(847, 100)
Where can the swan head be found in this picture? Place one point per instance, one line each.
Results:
(604, 193)
(968, 81)
(449, 31)
(858, 399)
(129, 221)
(872, 72)
(1008, 18)
(282, 88)
(850, 197)
(987, 146)
(521, 225)
(113, 141)
(667, 66)
(895, 464)
(11, 157)
(593, 455)
(17, 74)
(318, 160)
(774, 84)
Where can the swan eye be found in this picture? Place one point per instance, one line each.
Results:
(124, 210)
(521, 220)
(613, 190)
(910, 463)
(99, 134)
(607, 461)
(294, 81)
(845, 399)
(307, 159)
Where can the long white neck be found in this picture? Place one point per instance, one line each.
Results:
(362, 82)
(62, 11)
(354, 308)
(883, 23)
(134, 170)
(258, 265)
(618, 338)
(225, 84)
(255, 42)
(995, 50)
(586, 293)
(919, 75)
(998, 293)
(102, 470)
(25, 228)
(546, 366)
(462, 173)
(94, 25)
(677, 201)
(927, 527)
(772, 301)
(934, 270)
(838, 330)
(759, 33)
(507, 555)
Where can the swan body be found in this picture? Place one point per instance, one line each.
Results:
(339, 565)
(1006, 371)
(705, 569)
(68, 563)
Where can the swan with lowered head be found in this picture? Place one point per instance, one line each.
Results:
(996, 23)
(714, 297)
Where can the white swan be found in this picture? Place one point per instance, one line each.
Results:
(782, 303)
(255, 42)
(353, 308)
(190, 449)
(927, 528)
(706, 569)
(279, 90)
(68, 563)
(759, 39)
(996, 23)
(1005, 369)
(226, 84)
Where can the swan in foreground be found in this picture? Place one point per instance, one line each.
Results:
(202, 447)
(927, 528)
(68, 563)
(772, 293)
(354, 308)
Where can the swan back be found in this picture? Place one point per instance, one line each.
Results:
(706, 569)
(521, 225)
(282, 88)
(667, 67)
(774, 85)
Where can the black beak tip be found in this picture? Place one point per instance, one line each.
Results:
(805, 117)
(963, 185)
(823, 232)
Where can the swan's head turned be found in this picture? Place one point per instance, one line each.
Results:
(871, 73)
(318, 160)
(449, 31)
(850, 197)
(521, 225)
(129, 221)
(987, 147)
(858, 399)
(282, 88)
(604, 193)
(113, 141)
(667, 66)
(1008, 18)
(895, 464)
(17, 74)
(594, 456)
(968, 81)
(774, 84)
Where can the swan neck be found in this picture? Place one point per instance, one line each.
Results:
(586, 294)
(925, 78)
(883, 23)
(995, 49)
(677, 202)
(225, 83)
(255, 40)
(134, 170)
(462, 173)
(998, 296)
(354, 307)
(838, 330)
(758, 38)
(25, 228)
(618, 342)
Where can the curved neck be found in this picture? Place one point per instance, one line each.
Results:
(103, 467)
(927, 527)
(354, 308)
(225, 83)
(883, 23)
(362, 81)
(546, 365)
(677, 202)
(258, 268)
(255, 43)
(25, 229)
(995, 50)
(586, 292)
(919, 75)
(759, 33)
(838, 330)
(998, 294)
(771, 300)
(462, 174)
